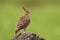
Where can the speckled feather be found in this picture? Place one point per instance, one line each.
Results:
(23, 22)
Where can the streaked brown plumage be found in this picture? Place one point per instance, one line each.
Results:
(23, 22)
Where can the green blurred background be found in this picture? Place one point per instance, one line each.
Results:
(45, 18)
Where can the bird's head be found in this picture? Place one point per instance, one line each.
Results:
(26, 12)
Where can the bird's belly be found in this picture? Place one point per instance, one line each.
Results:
(24, 25)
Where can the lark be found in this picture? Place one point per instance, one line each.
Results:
(24, 21)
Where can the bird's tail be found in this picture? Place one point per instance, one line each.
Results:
(17, 29)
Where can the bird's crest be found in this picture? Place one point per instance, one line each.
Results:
(26, 10)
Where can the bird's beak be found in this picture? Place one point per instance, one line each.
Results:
(30, 11)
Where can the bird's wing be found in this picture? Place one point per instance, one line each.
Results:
(20, 21)
(27, 21)
(23, 21)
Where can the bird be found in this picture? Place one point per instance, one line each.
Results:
(23, 21)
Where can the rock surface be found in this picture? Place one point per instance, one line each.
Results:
(27, 36)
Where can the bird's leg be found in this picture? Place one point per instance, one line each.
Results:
(24, 30)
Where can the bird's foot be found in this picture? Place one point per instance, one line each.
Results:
(25, 32)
